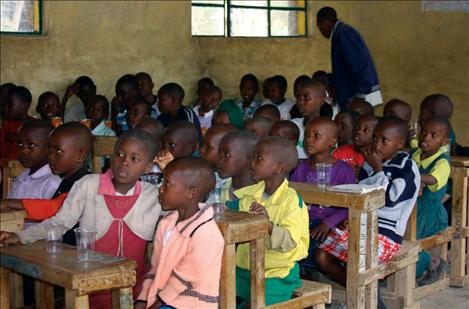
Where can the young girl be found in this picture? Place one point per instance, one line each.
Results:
(121, 209)
(320, 137)
(345, 121)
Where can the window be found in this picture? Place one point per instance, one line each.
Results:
(249, 18)
(21, 17)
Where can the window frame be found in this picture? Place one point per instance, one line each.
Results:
(227, 6)
(40, 16)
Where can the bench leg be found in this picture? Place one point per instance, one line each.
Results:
(75, 301)
(228, 277)
(44, 295)
(4, 288)
(405, 279)
(122, 298)
(355, 293)
(16, 293)
(257, 248)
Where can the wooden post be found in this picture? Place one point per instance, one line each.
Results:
(75, 301)
(257, 248)
(228, 277)
(371, 299)
(355, 293)
(44, 295)
(4, 288)
(122, 298)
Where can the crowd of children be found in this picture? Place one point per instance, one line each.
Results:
(241, 149)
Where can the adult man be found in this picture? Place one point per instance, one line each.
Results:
(354, 74)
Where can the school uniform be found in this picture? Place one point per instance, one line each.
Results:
(248, 111)
(184, 113)
(206, 119)
(41, 184)
(102, 130)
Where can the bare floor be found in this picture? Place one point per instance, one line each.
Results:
(454, 298)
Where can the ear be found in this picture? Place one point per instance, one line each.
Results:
(191, 193)
(82, 155)
(401, 143)
(279, 168)
(333, 142)
(446, 141)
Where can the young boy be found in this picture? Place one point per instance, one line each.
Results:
(85, 89)
(345, 121)
(153, 127)
(287, 130)
(276, 92)
(288, 239)
(48, 105)
(15, 113)
(138, 110)
(269, 111)
(97, 112)
(248, 88)
(186, 260)
(398, 108)
(259, 125)
(209, 101)
(360, 107)
(385, 165)
(127, 91)
(203, 84)
(146, 85)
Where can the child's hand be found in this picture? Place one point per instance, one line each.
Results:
(258, 209)
(373, 158)
(320, 232)
(72, 90)
(422, 186)
(8, 238)
(163, 158)
(343, 225)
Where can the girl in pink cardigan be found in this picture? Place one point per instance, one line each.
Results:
(186, 260)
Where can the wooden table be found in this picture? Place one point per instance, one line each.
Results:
(238, 227)
(78, 278)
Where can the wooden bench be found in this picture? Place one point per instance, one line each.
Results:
(363, 270)
(10, 170)
(102, 146)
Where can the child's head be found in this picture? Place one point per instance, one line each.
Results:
(248, 87)
(287, 130)
(274, 157)
(435, 105)
(32, 140)
(320, 136)
(398, 108)
(363, 132)
(127, 88)
(235, 152)
(434, 134)
(69, 146)
(228, 112)
(277, 88)
(4, 89)
(210, 98)
(170, 98)
(97, 110)
(17, 103)
(137, 111)
(268, 111)
(203, 84)
(212, 138)
(145, 84)
(310, 97)
(321, 76)
(153, 127)
(265, 88)
(298, 84)
(345, 121)
(259, 125)
(360, 106)
(86, 88)
(48, 105)
(133, 157)
(181, 139)
(389, 137)
(186, 183)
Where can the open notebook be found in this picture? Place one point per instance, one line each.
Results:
(354, 188)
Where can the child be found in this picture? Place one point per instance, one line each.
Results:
(97, 112)
(269, 111)
(360, 106)
(385, 165)
(248, 88)
(326, 109)
(277, 89)
(186, 260)
(209, 101)
(265, 91)
(228, 112)
(259, 125)
(85, 89)
(203, 84)
(398, 108)
(146, 85)
(48, 105)
(287, 130)
(153, 127)
(362, 137)
(294, 113)
(14, 114)
(288, 239)
(345, 121)
(138, 110)
(434, 170)
(320, 138)
(127, 91)
(4, 89)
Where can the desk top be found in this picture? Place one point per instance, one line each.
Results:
(11, 214)
(460, 161)
(239, 226)
(65, 270)
(367, 201)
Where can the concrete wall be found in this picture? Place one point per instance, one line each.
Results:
(416, 52)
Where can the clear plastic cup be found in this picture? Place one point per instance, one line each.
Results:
(86, 240)
(323, 171)
(218, 210)
(53, 238)
(153, 178)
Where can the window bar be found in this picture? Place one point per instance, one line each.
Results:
(228, 18)
(268, 20)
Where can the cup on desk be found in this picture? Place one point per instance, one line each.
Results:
(323, 171)
(56, 121)
(53, 238)
(86, 240)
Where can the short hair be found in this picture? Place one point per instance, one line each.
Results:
(214, 89)
(249, 78)
(439, 104)
(327, 121)
(438, 120)
(293, 130)
(262, 122)
(321, 76)
(4, 88)
(369, 109)
(81, 135)
(156, 127)
(205, 80)
(281, 81)
(352, 114)
(142, 102)
(186, 130)
(141, 136)
(299, 82)
(173, 90)
(247, 139)
(314, 83)
(284, 151)
(326, 13)
(22, 93)
(397, 123)
(37, 124)
(270, 109)
(398, 102)
(85, 81)
(127, 79)
(102, 99)
(46, 95)
(143, 74)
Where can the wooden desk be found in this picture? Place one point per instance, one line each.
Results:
(10, 170)
(78, 279)
(238, 227)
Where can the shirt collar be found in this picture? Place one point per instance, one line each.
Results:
(333, 29)
(256, 192)
(43, 171)
(106, 186)
(425, 162)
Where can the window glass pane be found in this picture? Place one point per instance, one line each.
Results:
(287, 3)
(249, 22)
(221, 2)
(250, 2)
(285, 23)
(19, 16)
(208, 21)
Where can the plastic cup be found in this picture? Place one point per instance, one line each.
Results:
(53, 238)
(153, 178)
(86, 240)
(218, 210)
(56, 121)
(323, 171)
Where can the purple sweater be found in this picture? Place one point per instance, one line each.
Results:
(341, 173)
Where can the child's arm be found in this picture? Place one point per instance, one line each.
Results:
(428, 179)
(36, 209)
(438, 176)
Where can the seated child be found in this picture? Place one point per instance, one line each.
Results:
(294, 113)
(4, 89)
(320, 138)
(265, 91)
(85, 89)
(248, 88)
(127, 91)
(287, 130)
(228, 112)
(435, 170)
(259, 125)
(269, 111)
(203, 84)
(146, 85)
(362, 137)
(326, 109)
(276, 93)
(97, 112)
(186, 260)
(120, 208)
(385, 165)
(138, 110)
(209, 101)
(14, 114)
(398, 108)
(288, 238)
(48, 105)
(346, 121)
(235, 152)
(156, 129)
(360, 106)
